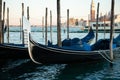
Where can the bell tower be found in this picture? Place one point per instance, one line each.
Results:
(92, 11)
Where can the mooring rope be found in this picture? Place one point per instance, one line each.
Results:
(106, 57)
(102, 51)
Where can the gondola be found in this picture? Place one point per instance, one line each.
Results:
(13, 51)
(42, 54)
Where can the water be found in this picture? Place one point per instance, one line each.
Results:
(27, 70)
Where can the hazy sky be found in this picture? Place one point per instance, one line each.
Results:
(78, 9)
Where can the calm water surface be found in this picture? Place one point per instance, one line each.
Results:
(26, 70)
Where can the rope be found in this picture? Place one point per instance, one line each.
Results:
(105, 54)
(106, 57)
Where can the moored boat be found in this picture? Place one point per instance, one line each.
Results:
(43, 54)
(13, 51)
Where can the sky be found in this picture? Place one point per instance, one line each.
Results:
(77, 8)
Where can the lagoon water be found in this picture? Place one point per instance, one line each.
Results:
(27, 70)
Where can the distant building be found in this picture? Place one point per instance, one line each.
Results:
(117, 18)
(73, 21)
(92, 11)
(103, 19)
(106, 19)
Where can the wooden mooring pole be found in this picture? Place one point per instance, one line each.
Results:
(111, 29)
(0, 21)
(51, 25)
(67, 23)
(58, 24)
(97, 22)
(28, 16)
(22, 32)
(46, 15)
(43, 26)
(3, 23)
(88, 22)
(20, 29)
(0, 9)
(8, 25)
(104, 27)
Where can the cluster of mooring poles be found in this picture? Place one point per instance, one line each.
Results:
(46, 21)
(5, 28)
(111, 27)
(58, 25)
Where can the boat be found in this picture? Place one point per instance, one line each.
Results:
(42, 54)
(75, 53)
(104, 27)
(13, 51)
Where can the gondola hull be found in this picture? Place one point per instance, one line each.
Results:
(42, 54)
(13, 52)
